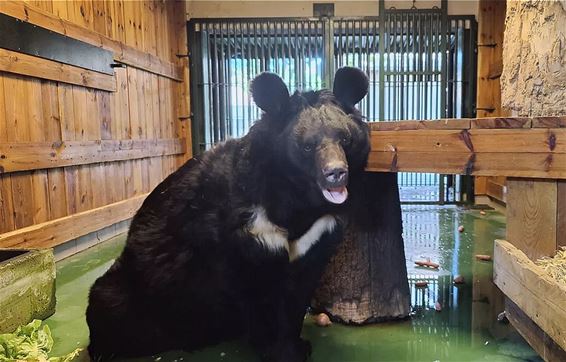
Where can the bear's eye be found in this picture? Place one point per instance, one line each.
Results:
(345, 140)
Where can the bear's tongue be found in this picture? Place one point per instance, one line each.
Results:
(336, 195)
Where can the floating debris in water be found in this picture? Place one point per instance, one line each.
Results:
(461, 228)
(427, 264)
(438, 307)
(483, 257)
(322, 320)
(482, 212)
(222, 354)
(421, 284)
(555, 267)
(459, 279)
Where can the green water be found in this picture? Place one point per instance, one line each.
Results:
(465, 330)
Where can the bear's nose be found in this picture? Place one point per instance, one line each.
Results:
(335, 174)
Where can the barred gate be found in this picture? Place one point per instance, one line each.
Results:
(423, 69)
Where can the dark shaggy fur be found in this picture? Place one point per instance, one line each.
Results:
(192, 273)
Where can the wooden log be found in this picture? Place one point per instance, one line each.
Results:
(58, 231)
(366, 281)
(42, 155)
(19, 63)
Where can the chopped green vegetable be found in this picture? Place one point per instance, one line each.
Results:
(31, 342)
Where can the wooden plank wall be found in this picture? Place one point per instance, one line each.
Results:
(491, 28)
(150, 102)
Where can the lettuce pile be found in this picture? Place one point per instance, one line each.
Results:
(32, 343)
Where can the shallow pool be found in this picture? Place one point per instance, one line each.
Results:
(465, 329)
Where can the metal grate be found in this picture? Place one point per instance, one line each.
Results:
(423, 69)
(233, 52)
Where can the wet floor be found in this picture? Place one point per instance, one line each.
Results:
(464, 330)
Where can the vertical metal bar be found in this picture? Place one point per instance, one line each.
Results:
(329, 52)
(210, 103)
(427, 65)
(419, 66)
(341, 54)
(441, 192)
(299, 56)
(444, 8)
(374, 83)
(262, 48)
(381, 59)
(290, 73)
(395, 65)
(224, 81)
(402, 82)
(280, 44)
(269, 39)
(196, 66)
(275, 38)
(217, 136)
(415, 75)
(249, 68)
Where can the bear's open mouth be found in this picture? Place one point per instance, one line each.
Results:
(335, 195)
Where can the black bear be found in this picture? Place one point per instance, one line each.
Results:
(234, 243)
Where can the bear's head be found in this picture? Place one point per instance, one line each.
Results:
(318, 138)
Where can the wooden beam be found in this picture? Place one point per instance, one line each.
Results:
(496, 190)
(59, 231)
(19, 63)
(42, 155)
(445, 124)
(549, 122)
(542, 298)
(479, 150)
(122, 53)
(538, 165)
(473, 141)
(533, 334)
(501, 122)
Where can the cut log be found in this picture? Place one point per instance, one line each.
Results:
(366, 281)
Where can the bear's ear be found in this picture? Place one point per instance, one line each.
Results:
(350, 85)
(270, 93)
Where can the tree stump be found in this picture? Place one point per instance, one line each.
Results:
(366, 281)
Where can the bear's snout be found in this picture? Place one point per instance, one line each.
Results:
(336, 174)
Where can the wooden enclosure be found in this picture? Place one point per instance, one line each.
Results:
(79, 149)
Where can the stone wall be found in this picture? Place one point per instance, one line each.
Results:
(533, 82)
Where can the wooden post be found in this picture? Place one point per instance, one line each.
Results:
(536, 213)
(366, 281)
(491, 26)
(536, 225)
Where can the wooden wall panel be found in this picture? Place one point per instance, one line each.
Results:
(145, 104)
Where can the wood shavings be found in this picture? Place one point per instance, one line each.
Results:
(555, 267)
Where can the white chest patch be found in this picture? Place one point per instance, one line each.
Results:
(311, 237)
(267, 233)
(275, 238)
